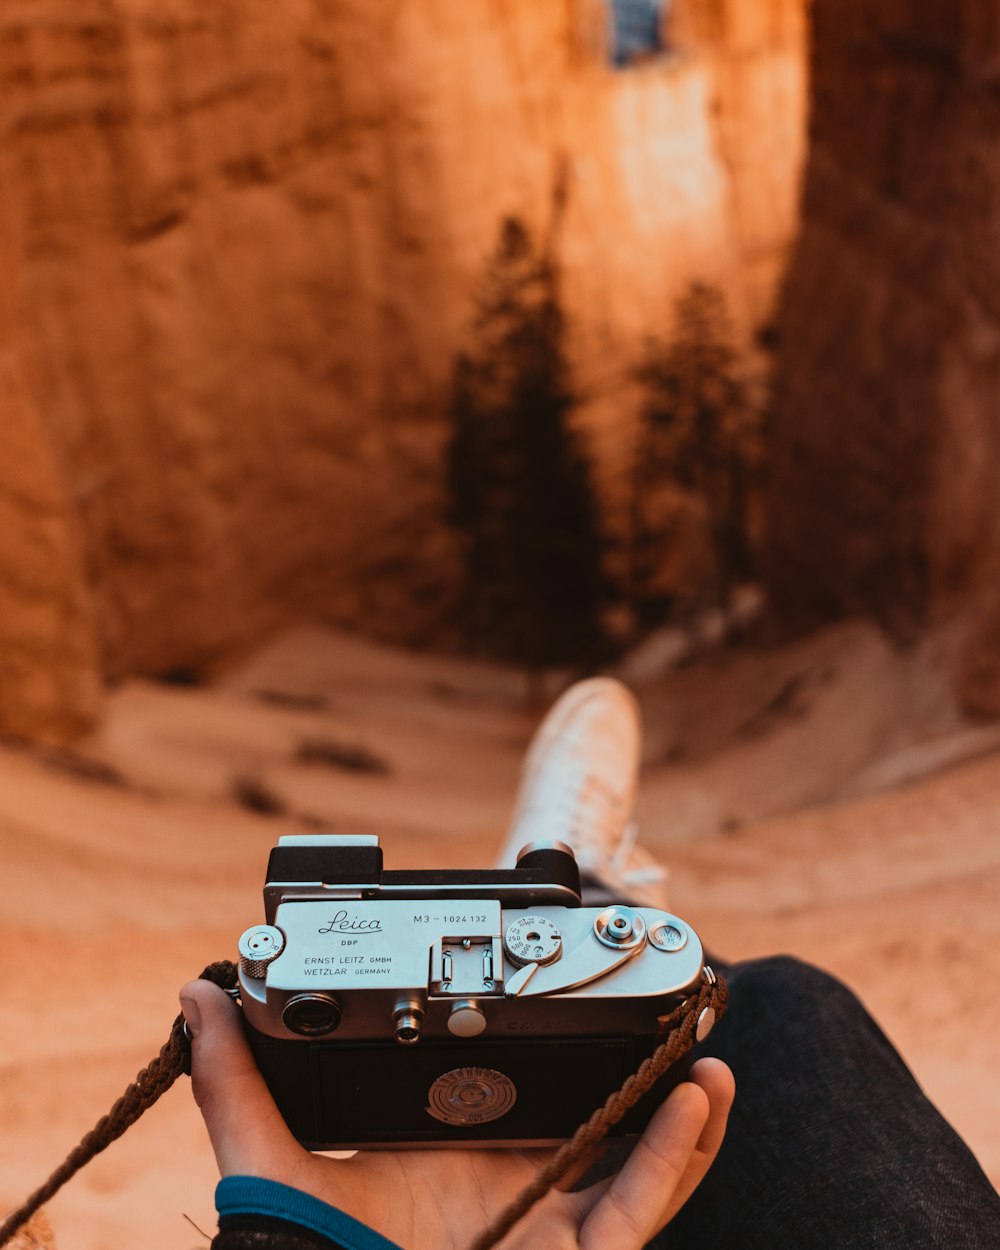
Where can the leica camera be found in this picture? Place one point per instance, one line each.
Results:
(389, 1009)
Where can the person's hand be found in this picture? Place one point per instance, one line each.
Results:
(440, 1200)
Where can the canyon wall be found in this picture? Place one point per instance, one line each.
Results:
(48, 655)
(240, 247)
(887, 431)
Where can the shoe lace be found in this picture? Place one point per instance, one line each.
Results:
(588, 813)
(596, 817)
(645, 871)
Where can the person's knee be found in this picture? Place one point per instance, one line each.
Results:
(787, 972)
(782, 1012)
(790, 987)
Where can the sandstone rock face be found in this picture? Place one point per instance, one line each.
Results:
(887, 438)
(247, 238)
(48, 651)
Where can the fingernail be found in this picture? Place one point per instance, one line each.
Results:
(192, 1015)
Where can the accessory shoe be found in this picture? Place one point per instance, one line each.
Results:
(578, 785)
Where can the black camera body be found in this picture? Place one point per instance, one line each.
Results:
(452, 1008)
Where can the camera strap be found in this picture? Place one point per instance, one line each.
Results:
(679, 1030)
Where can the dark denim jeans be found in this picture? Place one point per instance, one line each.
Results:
(831, 1144)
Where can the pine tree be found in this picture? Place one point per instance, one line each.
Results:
(518, 482)
(700, 433)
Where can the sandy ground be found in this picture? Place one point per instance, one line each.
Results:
(822, 799)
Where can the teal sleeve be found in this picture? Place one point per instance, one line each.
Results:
(251, 1195)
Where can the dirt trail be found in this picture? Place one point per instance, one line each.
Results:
(133, 862)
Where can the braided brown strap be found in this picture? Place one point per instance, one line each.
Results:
(174, 1059)
(680, 1027)
(155, 1079)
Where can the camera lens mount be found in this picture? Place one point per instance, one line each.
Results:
(312, 1015)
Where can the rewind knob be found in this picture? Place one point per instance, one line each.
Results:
(259, 947)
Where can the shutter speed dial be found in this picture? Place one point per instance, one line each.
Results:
(532, 940)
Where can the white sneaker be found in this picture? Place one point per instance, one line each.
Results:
(578, 784)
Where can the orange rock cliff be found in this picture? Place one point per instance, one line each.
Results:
(886, 439)
(240, 246)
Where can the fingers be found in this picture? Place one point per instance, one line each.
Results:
(716, 1079)
(635, 1203)
(248, 1135)
(669, 1161)
(718, 1082)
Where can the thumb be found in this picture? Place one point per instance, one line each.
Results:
(248, 1135)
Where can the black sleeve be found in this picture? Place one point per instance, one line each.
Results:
(264, 1232)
